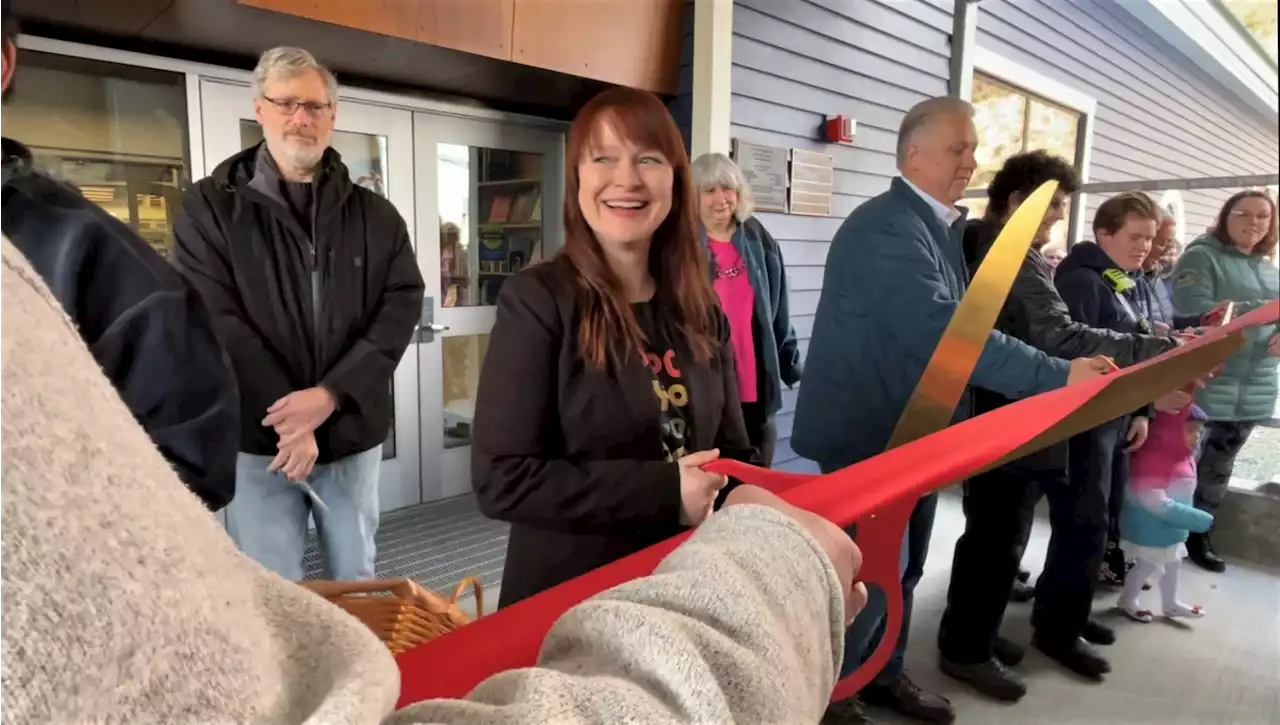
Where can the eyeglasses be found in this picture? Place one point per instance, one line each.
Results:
(1246, 216)
(290, 106)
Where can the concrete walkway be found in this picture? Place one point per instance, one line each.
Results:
(1221, 670)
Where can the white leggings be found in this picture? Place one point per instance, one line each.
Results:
(1142, 571)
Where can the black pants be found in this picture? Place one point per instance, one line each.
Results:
(761, 431)
(999, 506)
(1080, 519)
(1222, 443)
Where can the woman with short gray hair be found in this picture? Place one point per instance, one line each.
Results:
(750, 279)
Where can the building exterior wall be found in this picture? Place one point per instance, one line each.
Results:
(795, 62)
(1158, 116)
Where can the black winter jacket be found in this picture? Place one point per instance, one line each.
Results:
(256, 267)
(145, 325)
(1035, 313)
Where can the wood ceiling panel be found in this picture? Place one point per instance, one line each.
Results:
(482, 27)
(627, 42)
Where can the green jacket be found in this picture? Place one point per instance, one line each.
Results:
(1208, 273)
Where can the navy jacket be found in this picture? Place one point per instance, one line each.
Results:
(1089, 282)
(145, 325)
(777, 352)
(894, 276)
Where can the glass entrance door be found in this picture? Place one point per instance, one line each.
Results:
(376, 144)
(490, 198)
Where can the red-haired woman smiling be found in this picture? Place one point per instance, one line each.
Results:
(609, 377)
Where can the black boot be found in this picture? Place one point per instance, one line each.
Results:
(1022, 593)
(1076, 655)
(1200, 550)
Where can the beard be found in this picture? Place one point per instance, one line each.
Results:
(304, 157)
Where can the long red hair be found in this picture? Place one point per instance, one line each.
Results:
(607, 328)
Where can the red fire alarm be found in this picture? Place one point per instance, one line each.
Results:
(840, 129)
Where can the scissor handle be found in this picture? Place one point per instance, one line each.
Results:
(880, 537)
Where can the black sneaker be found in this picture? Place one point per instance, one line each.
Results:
(846, 712)
(905, 698)
(991, 678)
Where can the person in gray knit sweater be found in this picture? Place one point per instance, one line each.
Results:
(124, 601)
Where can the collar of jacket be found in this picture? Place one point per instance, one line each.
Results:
(17, 158)
(331, 174)
(927, 213)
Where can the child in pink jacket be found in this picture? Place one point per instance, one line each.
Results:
(1157, 515)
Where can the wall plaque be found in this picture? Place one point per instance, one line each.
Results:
(766, 170)
(812, 182)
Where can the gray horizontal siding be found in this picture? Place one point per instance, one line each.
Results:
(796, 61)
(1158, 116)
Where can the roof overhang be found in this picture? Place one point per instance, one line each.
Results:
(1220, 47)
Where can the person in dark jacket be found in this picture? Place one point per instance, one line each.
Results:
(315, 292)
(894, 276)
(1096, 281)
(609, 378)
(1000, 504)
(750, 279)
(145, 325)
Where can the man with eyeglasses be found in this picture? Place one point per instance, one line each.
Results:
(145, 325)
(315, 292)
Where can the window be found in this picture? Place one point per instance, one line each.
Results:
(1011, 121)
(118, 133)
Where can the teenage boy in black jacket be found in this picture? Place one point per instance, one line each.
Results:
(145, 325)
(1096, 283)
(1000, 504)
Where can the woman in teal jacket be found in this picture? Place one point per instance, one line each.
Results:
(1235, 262)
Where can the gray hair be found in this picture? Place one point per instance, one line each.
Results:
(924, 113)
(287, 62)
(714, 170)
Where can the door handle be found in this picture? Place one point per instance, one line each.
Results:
(426, 329)
(427, 332)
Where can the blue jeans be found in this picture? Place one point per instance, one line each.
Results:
(268, 516)
(862, 638)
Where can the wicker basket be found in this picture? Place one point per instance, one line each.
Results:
(402, 613)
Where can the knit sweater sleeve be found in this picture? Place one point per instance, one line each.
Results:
(743, 623)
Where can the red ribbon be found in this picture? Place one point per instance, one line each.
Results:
(879, 494)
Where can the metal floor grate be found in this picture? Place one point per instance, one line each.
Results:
(435, 544)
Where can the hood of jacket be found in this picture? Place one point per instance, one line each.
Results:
(1087, 255)
(333, 183)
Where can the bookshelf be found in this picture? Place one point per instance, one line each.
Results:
(505, 224)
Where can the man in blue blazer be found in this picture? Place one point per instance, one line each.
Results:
(894, 276)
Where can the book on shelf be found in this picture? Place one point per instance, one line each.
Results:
(527, 202)
(500, 209)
